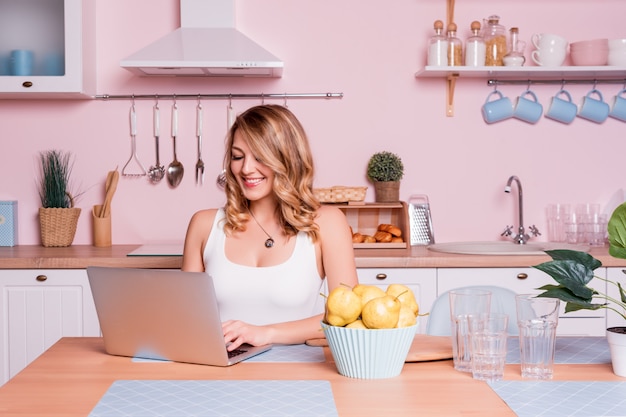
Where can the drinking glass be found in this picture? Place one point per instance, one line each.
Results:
(488, 333)
(463, 303)
(537, 319)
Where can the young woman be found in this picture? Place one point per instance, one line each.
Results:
(269, 248)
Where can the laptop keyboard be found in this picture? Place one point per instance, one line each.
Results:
(236, 352)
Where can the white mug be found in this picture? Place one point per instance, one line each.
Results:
(549, 57)
(546, 40)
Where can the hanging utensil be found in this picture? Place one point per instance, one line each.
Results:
(133, 147)
(200, 163)
(230, 120)
(175, 170)
(156, 171)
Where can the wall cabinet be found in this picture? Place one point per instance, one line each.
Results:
(526, 280)
(60, 34)
(38, 307)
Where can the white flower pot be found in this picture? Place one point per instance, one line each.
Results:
(617, 345)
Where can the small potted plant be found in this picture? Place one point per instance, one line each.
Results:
(385, 170)
(57, 215)
(573, 270)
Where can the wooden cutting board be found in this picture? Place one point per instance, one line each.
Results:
(424, 348)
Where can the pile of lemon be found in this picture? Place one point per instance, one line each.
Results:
(370, 307)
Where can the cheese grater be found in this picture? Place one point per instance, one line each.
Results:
(420, 221)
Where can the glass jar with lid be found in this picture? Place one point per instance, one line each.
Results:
(438, 47)
(495, 37)
(475, 47)
(455, 47)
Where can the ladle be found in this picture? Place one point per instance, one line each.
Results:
(175, 170)
(156, 171)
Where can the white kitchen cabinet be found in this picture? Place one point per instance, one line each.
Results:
(616, 275)
(526, 280)
(422, 281)
(38, 307)
(61, 35)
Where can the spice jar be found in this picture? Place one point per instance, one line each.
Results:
(515, 57)
(494, 35)
(455, 47)
(438, 47)
(475, 47)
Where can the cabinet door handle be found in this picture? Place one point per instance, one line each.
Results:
(381, 276)
(522, 275)
(41, 278)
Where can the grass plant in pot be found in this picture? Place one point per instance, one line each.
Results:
(573, 270)
(385, 170)
(57, 215)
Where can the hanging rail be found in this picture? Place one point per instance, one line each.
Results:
(261, 96)
(493, 82)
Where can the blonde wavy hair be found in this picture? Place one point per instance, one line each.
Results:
(277, 139)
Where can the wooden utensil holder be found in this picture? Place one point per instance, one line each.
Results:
(101, 228)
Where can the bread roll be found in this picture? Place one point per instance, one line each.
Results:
(357, 238)
(390, 228)
(397, 239)
(383, 237)
(369, 239)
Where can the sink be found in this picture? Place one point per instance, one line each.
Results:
(503, 248)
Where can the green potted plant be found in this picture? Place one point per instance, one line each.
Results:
(57, 215)
(573, 270)
(385, 170)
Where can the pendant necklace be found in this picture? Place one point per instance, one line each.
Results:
(270, 241)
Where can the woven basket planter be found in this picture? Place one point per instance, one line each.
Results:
(58, 226)
(387, 191)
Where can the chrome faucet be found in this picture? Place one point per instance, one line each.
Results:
(521, 237)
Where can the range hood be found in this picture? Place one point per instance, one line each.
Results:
(206, 45)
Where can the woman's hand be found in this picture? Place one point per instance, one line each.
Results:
(237, 332)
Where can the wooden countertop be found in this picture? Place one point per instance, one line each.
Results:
(82, 256)
(70, 378)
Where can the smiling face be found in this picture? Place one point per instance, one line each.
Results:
(255, 179)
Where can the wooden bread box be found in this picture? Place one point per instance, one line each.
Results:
(364, 218)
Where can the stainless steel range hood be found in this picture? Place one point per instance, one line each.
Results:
(206, 45)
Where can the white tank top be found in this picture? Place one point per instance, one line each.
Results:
(264, 295)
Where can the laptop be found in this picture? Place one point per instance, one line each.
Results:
(162, 314)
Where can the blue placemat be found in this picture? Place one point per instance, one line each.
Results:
(279, 353)
(217, 398)
(569, 350)
(563, 398)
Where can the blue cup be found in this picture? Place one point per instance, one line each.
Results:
(21, 62)
(562, 110)
(595, 110)
(618, 111)
(498, 109)
(528, 110)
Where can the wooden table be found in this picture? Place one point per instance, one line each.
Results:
(70, 378)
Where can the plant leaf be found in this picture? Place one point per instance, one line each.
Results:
(569, 307)
(571, 274)
(617, 232)
(573, 255)
(622, 294)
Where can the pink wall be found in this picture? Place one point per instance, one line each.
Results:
(370, 51)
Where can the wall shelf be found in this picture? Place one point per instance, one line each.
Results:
(525, 73)
(530, 74)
